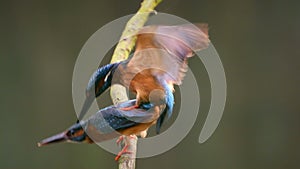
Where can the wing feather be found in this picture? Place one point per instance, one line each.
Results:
(165, 50)
(113, 118)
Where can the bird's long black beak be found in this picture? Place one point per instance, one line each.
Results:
(61, 137)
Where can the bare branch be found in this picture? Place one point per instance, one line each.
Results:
(122, 51)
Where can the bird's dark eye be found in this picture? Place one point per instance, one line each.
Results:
(72, 132)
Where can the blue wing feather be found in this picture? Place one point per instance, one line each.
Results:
(113, 118)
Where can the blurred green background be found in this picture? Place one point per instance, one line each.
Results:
(258, 42)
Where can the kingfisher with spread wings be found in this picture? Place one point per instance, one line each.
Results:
(159, 61)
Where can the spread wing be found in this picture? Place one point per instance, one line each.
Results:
(165, 49)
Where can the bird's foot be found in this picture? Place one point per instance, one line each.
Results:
(120, 139)
(123, 151)
(129, 108)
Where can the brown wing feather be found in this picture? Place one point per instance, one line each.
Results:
(165, 49)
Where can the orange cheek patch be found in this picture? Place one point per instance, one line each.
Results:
(78, 133)
(100, 84)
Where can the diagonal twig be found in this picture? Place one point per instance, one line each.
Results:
(122, 51)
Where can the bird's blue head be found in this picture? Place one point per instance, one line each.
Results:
(101, 79)
(99, 82)
(74, 134)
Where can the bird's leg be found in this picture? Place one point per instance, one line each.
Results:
(129, 108)
(142, 106)
(123, 151)
(125, 144)
(135, 106)
(121, 138)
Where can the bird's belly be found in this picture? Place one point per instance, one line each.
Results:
(143, 84)
(136, 129)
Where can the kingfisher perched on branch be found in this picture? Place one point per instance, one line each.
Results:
(159, 61)
(113, 121)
